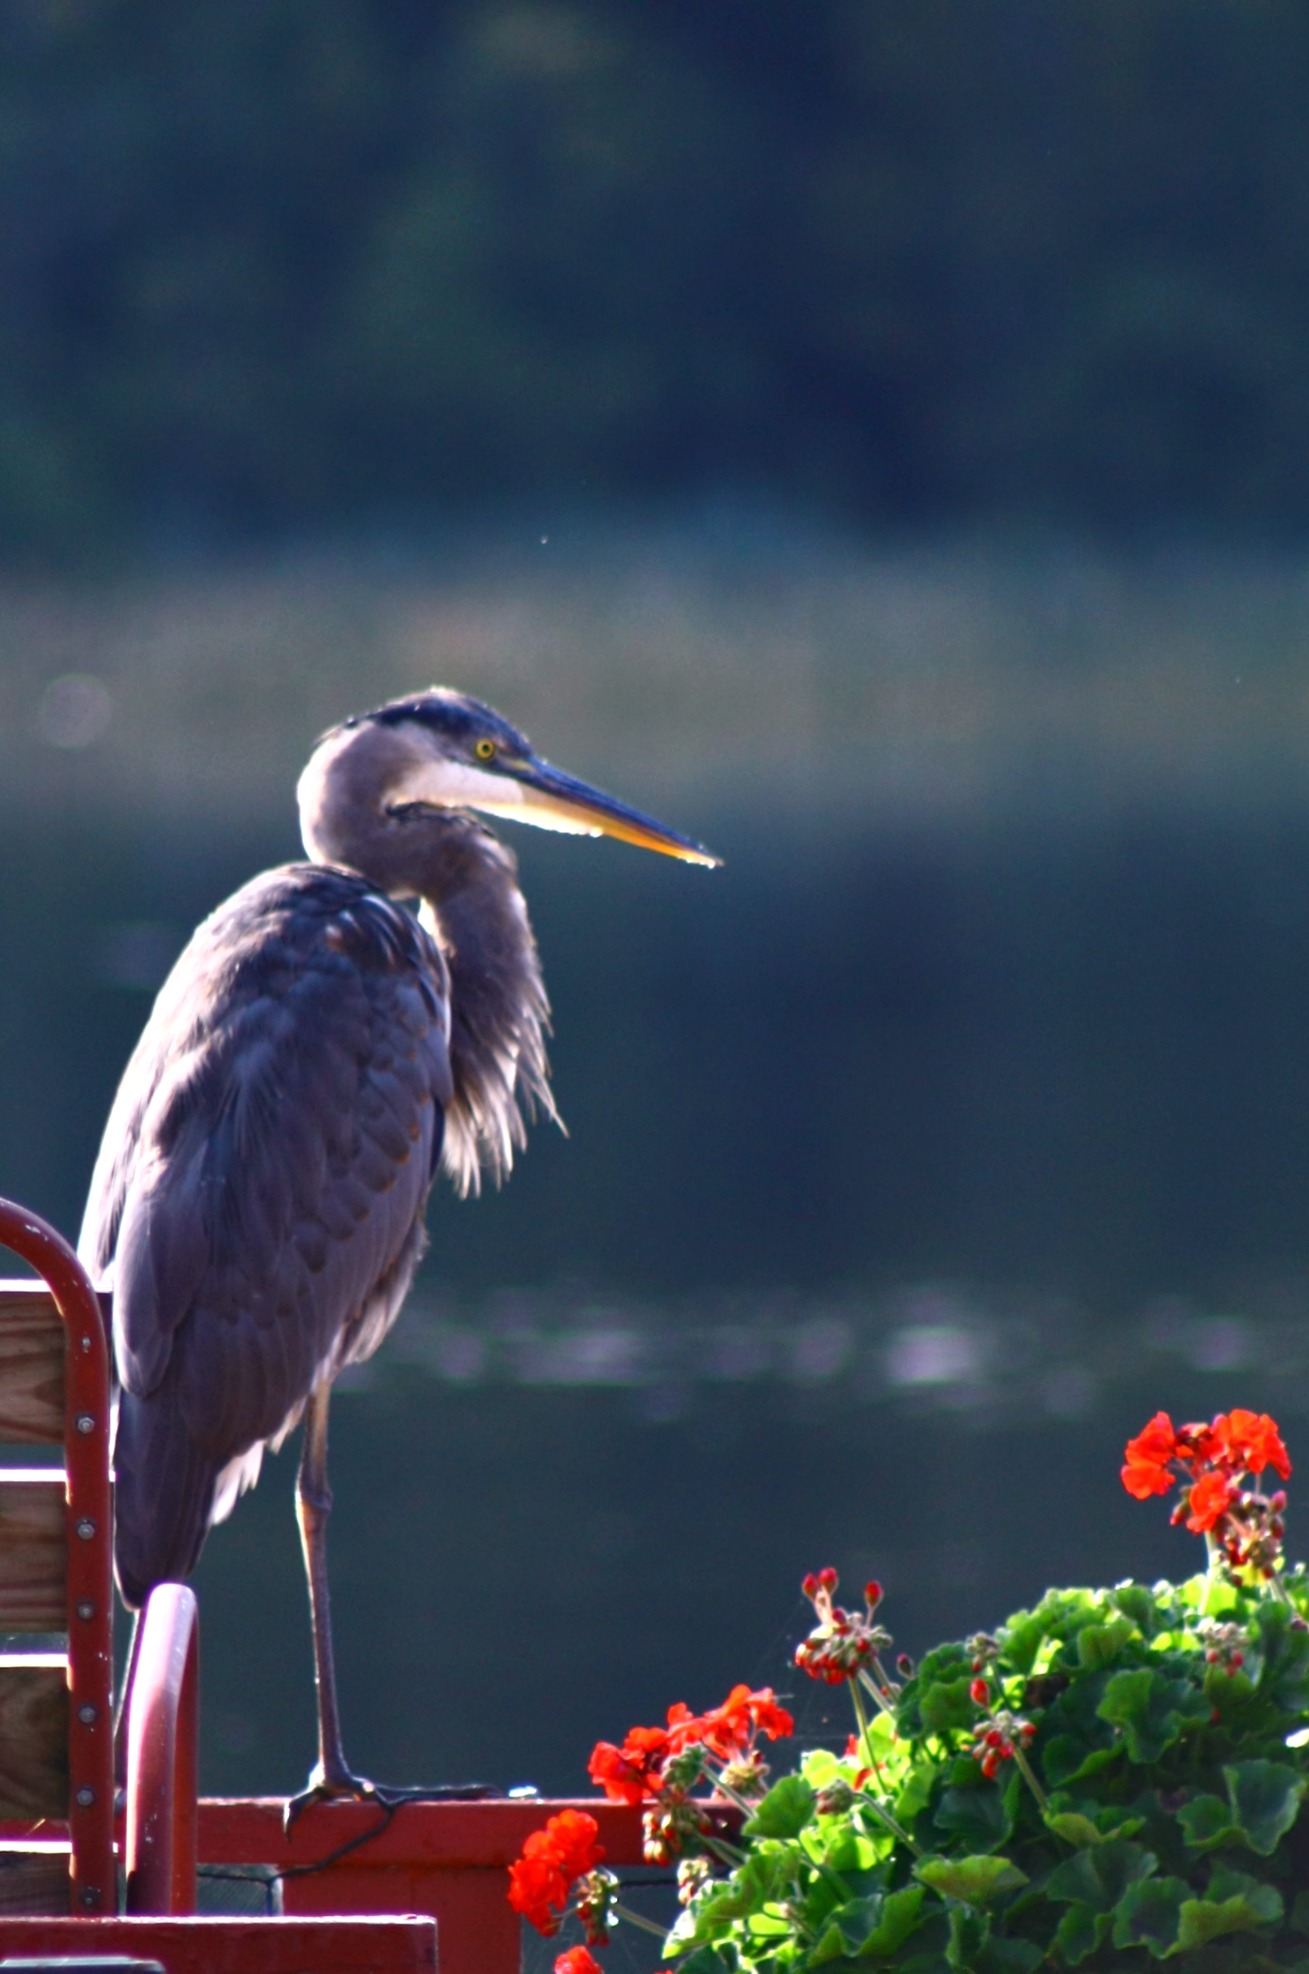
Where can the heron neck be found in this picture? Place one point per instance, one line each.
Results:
(499, 1011)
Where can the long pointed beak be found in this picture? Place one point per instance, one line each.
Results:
(554, 800)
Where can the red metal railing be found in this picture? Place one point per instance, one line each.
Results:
(90, 1594)
(160, 1826)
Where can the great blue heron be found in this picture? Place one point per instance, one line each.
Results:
(315, 1055)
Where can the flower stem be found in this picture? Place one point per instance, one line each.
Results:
(726, 1853)
(1028, 1774)
(860, 1716)
(639, 1920)
(866, 1679)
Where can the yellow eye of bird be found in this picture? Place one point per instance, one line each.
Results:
(485, 750)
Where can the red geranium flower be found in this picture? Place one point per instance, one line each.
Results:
(577, 1961)
(1208, 1500)
(730, 1729)
(1148, 1457)
(1248, 1442)
(572, 1835)
(553, 1860)
(633, 1772)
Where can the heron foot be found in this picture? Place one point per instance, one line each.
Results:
(338, 1785)
(344, 1786)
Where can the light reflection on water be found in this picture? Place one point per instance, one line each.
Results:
(992, 1355)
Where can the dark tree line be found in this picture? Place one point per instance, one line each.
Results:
(280, 263)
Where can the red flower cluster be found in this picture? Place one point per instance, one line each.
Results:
(1001, 1734)
(997, 1742)
(660, 1766)
(638, 1772)
(576, 1961)
(1238, 1442)
(553, 1859)
(842, 1642)
(1209, 1462)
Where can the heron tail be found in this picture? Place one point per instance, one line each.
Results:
(164, 1494)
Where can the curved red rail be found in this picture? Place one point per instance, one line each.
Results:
(161, 1756)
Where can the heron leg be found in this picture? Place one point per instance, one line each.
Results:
(331, 1777)
(124, 1704)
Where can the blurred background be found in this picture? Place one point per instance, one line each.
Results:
(876, 440)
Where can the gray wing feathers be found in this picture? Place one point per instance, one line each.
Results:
(278, 1129)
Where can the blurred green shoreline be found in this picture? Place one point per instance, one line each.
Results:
(774, 668)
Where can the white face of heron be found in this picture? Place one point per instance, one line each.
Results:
(444, 784)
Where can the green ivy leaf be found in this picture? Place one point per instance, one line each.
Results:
(916, 1792)
(1022, 1638)
(1100, 1644)
(1150, 1916)
(842, 1845)
(819, 1766)
(1228, 1690)
(1265, 1801)
(784, 1811)
(945, 1707)
(978, 1881)
(1207, 1822)
(1100, 1876)
(766, 1875)
(1153, 1712)
(1226, 1910)
(1010, 1957)
(1137, 1602)
(710, 1960)
(1073, 1827)
(1065, 1759)
(874, 1927)
(829, 1946)
(975, 1815)
(969, 1933)
(1202, 1920)
(1081, 1932)
(1284, 1675)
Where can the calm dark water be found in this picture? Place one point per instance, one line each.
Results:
(910, 1168)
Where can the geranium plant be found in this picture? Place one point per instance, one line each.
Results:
(1109, 1779)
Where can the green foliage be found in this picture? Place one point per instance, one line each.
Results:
(1147, 1811)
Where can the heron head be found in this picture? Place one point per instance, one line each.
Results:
(442, 750)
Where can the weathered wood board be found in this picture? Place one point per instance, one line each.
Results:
(33, 1549)
(33, 1735)
(34, 1881)
(31, 1366)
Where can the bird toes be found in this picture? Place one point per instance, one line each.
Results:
(338, 1784)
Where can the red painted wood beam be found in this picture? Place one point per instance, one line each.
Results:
(234, 1946)
(449, 1859)
(485, 1835)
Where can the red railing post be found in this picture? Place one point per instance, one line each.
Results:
(160, 1831)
